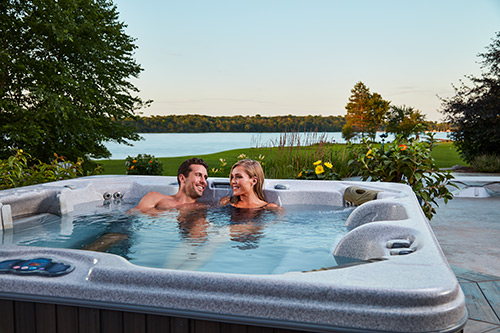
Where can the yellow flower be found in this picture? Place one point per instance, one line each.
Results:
(369, 154)
(319, 169)
(328, 165)
(300, 174)
(317, 162)
(134, 161)
(132, 167)
(242, 156)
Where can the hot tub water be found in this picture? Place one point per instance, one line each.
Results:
(215, 239)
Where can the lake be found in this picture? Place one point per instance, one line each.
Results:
(184, 144)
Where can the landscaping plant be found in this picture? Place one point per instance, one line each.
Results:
(143, 164)
(406, 161)
(21, 169)
(320, 171)
(288, 155)
(486, 163)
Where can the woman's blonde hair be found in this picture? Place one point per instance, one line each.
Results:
(253, 169)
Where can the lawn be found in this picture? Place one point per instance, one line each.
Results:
(444, 153)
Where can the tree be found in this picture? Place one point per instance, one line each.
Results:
(348, 133)
(474, 112)
(64, 70)
(365, 111)
(404, 120)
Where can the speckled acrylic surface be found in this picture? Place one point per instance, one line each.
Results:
(413, 292)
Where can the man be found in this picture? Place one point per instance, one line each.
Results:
(192, 178)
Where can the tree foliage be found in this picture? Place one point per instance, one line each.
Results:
(474, 111)
(201, 124)
(194, 123)
(404, 120)
(64, 70)
(348, 133)
(365, 111)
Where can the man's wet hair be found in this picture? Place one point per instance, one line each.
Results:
(185, 167)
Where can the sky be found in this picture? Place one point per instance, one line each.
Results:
(303, 57)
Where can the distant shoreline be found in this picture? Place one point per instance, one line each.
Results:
(195, 123)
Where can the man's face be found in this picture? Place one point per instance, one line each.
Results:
(196, 181)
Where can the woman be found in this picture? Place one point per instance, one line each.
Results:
(246, 180)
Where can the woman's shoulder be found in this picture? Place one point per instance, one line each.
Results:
(224, 201)
(271, 205)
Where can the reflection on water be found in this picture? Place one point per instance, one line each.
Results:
(247, 226)
(216, 239)
(193, 224)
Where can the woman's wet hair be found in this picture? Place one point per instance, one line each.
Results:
(185, 167)
(253, 169)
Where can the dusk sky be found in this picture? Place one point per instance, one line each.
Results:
(301, 57)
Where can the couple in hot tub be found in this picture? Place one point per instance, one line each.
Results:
(246, 181)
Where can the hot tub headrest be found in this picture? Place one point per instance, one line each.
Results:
(357, 195)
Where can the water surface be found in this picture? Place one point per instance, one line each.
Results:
(214, 239)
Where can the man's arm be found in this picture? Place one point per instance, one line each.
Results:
(148, 202)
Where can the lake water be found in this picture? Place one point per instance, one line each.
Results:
(184, 144)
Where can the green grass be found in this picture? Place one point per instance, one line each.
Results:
(444, 153)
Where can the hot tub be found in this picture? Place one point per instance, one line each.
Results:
(402, 282)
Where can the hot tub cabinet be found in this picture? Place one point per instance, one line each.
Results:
(408, 287)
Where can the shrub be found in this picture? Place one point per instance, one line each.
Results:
(486, 163)
(143, 164)
(22, 170)
(408, 162)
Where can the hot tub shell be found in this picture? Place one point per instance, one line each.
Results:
(416, 292)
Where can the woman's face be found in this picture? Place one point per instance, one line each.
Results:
(241, 182)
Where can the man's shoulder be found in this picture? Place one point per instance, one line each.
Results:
(153, 198)
(154, 194)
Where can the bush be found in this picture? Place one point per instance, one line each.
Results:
(143, 164)
(22, 170)
(406, 161)
(487, 163)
